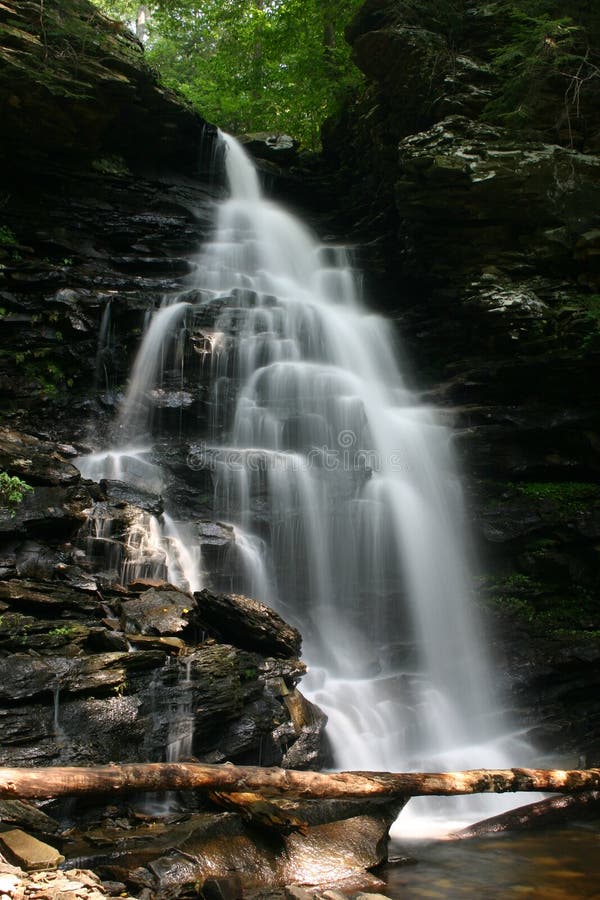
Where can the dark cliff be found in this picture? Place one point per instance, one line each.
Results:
(473, 191)
(105, 194)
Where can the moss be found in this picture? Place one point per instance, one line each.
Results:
(542, 607)
(570, 496)
(545, 610)
(111, 165)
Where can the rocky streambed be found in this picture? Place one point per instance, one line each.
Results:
(95, 671)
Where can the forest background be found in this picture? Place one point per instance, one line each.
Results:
(284, 65)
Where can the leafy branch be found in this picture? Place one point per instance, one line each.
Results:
(12, 491)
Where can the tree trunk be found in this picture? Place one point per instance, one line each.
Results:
(273, 782)
(551, 811)
(141, 23)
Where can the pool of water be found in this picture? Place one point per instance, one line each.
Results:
(561, 863)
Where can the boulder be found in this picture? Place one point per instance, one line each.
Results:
(278, 148)
(409, 64)
(247, 623)
(157, 612)
(28, 852)
(343, 841)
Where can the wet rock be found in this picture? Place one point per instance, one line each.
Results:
(277, 148)
(247, 623)
(20, 812)
(36, 461)
(161, 612)
(35, 596)
(47, 511)
(25, 677)
(311, 749)
(120, 493)
(466, 168)
(19, 633)
(102, 640)
(169, 644)
(222, 888)
(28, 852)
(343, 840)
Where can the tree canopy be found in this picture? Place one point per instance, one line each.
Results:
(250, 65)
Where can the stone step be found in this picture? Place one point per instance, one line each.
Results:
(28, 852)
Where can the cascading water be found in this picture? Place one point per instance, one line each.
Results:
(364, 516)
(340, 488)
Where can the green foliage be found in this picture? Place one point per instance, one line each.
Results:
(591, 311)
(253, 65)
(38, 366)
(7, 236)
(62, 631)
(545, 608)
(123, 10)
(12, 491)
(546, 54)
(111, 165)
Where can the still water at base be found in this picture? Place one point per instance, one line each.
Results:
(554, 864)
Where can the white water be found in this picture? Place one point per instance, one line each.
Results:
(133, 412)
(365, 533)
(342, 491)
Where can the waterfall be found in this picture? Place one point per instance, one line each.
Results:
(340, 487)
(366, 529)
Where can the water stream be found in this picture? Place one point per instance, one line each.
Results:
(341, 489)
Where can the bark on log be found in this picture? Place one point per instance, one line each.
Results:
(255, 810)
(272, 782)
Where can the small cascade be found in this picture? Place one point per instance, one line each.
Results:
(253, 553)
(142, 547)
(150, 362)
(130, 465)
(56, 691)
(181, 723)
(60, 736)
(171, 737)
(183, 564)
(103, 350)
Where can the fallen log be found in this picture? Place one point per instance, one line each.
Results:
(552, 811)
(273, 782)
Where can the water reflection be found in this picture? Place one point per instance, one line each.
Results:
(556, 864)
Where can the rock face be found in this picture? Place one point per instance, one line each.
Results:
(212, 676)
(80, 81)
(104, 197)
(479, 234)
(103, 201)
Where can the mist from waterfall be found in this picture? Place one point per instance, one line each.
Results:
(341, 490)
